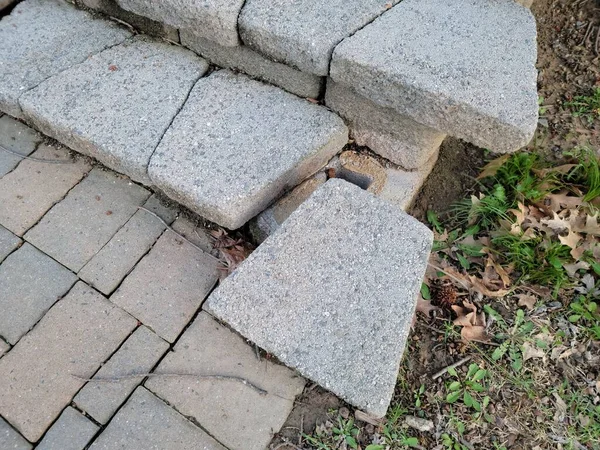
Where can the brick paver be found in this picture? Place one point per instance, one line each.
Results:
(38, 376)
(72, 431)
(8, 242)
(146, 422)
(138, 354)
(10, 439)
(16, 137)
(30, 284)
(75, 229)
(33, 188)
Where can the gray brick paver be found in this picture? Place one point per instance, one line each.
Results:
(71, 431)
(8, 243)
(37, 377)
(10, 439)
(17, 137)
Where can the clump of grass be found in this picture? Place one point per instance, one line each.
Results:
(587, 106)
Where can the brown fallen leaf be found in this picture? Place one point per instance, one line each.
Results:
(531, 351)
(526, 300)
(491, 168)
(475, 334)
(425, 306)
(564, 169)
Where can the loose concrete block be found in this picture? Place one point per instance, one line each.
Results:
(8, 243)
(138, 354)
(31, 283)
(168, 285)
(10, 439)
(148, 26)
(232, 412)
(211, 19)
(246, 60)
(146, 422)
(72, 431)
(30, 190)
(39, 376)
(41, 38)
(17, 137)
(75, 229)
(447, 65)
(117, 105)
(114, 261)
(344, 268)
(389, 134)
(238, 144)
(304, 33)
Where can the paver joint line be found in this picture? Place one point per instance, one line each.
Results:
(41, 160)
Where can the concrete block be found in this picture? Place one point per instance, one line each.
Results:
(41, 38)
(450, 65)
(303, 33)
(211, 19)
(344, 268)
(244, 59)
(72, 431)
(117, 105)
(146, 422)
(17, 137)
(31, 189)
(38, 377)
(31, 283)
(234, 413)
(238, 144)
(10, 439)
(138, 354)
(8, 243)
(389, 134)
(76, 228)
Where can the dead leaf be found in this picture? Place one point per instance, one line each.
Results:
(475, 334)
(564, 169)
(526, 300)
(558, 224)
(491, 168)
(571, 240)
(562, 200)
(591, 226)
(531, 351)
(480, 287)
(573, 268)
(424, 306)
(561, 408)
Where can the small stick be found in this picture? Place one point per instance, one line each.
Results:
(587, 33)
(451, 366)
(32, 158)
(597, 43)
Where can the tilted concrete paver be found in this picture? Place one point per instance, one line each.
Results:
(238, 144)
(303, 33)
(244, 59)
(32, 188)
(146, 422)
(166, 288)
(71, 431)
(31, 283)
(75, 229)
(114, 261)
(8, 243)
(41, 38)
(389, 134)
(37, 377)
(138, 354)
(116, 105)
(10, 439)
(17, 137)
(344, 268)
(232, 412)
(211, 19)
(450, 65)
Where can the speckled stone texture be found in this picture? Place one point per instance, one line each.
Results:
(238, 144)
(452, 65)
(44, 37)
(71, 431)
(303, 33)
(10, 439)
(117, 105)
(211, 19)
(340, 277)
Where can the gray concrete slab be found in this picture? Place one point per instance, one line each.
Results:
(31, 283)
(75, 229)
(451, 65)
(38, 377)
(138, 354)
(16, 137)
(41, 38)
(4, 347)
(238, 144)
(10, 439)
(234, 413)
(71, 431)
(8, 243)
(146, 422)
(117, 105)
(344, 268)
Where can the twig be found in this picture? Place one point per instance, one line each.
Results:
(597, 43)
(181, 236)
(118, 378)
(587, 33)
(451, 366)
(32, 158)
(451, 276)
(301, 430)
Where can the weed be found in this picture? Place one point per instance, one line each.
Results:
(587, 106)
(468, 389)
(586, 314)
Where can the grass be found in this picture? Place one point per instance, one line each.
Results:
(586, 106)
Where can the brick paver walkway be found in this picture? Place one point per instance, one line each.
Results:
(93, 286)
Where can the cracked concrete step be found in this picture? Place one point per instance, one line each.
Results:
(340, 277)
(41, 38)
(117, 105)
(238, 144)
(464, 68)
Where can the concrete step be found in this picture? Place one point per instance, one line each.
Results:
(332, 292)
